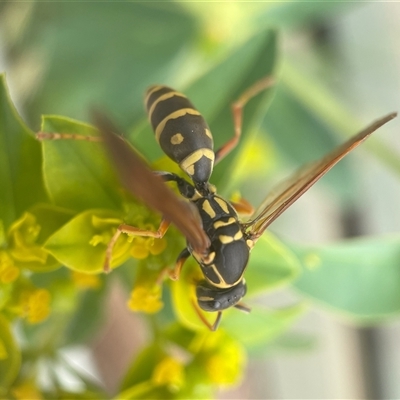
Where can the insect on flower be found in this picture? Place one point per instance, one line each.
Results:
(216, 238)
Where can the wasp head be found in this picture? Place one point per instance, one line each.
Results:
(211, 298)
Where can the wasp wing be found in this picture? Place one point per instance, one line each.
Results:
(287, 192)
(144, 184)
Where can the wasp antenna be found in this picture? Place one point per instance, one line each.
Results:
(216, 323)
(243, 307)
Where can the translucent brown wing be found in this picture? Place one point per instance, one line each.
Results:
(287, 192)
(144, 184)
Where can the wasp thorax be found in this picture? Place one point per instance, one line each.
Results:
(208, 258)
(205, 188)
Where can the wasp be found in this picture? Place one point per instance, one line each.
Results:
(216, 237)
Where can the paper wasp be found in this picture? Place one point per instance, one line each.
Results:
(216, 238)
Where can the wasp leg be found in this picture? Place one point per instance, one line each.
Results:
(131, 230)
(175, 273)
(242, 207)
(183, 256)
(200, 314)
(237, 112)
(67, 136)
(185, 188)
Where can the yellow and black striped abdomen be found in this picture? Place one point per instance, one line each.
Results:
(181, 131)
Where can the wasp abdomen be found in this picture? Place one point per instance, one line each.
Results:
(181, 131)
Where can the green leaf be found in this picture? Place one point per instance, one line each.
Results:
(297, 13)
(86, 395)
(262, 325)
(179, 334)
(254, 60)
(184, 298)
(142, 366)
(81, 243)
(50, 218)
(21, 182)
(77, 173)
(302, 136)
(108, 59)
(222, 19)
(6, 293)
(10, 358)
(144, 391)
(315, 117)
(359, 278)
(272, 264)
(291, 342)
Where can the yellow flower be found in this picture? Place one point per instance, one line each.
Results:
(256, 152)
(226, 365)
(36, 304)
(142, 247)
(8, 271)
(86, 281)
(169, 372)
(223, 357)
(236, 196)
(103, 238)
(9, 275)
(26, 390)
(157, 246)
(139, 248)
(146, 299)
(3, 351)
(23, 236)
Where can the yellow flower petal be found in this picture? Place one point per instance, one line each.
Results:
(3, 351)
(9, 274)
(139, 251)
(169, 372)
(158, 246)
(23, 235)
(26, 390)
(225, 364)
(8, 271)
(144, 299)
(5, 260)
(104, 223)
(37, 306)
(86, 281)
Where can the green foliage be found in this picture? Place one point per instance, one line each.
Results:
(71, 163)
(10, 357)
(358, 278)
(20, 168)
(61, 203)
(81, 243)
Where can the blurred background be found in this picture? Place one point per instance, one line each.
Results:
(338, 67)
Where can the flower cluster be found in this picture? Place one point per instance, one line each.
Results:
(22, 254)
(190, 365)
(8, 270)
(54, 249)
